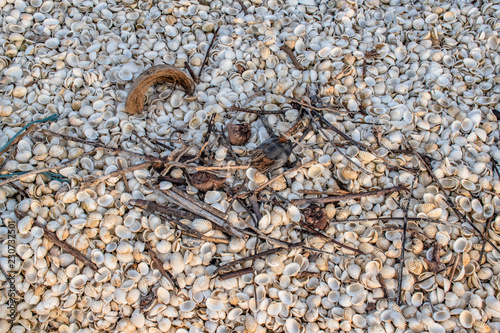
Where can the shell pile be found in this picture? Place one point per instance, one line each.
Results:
(421, 75)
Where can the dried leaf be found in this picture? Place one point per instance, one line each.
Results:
(204, 181)
(239, 134)
(316, 217)
(155, 75)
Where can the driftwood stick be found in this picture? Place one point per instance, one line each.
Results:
(243, 7)
(254, 256)
(99, 144)
(65, 246)
(205, 60)
(37, 171)
(358, 144)
(199, 203)
(191, 72)
(312, 107)
(159, 265)
(19, 137)
(237, 273)
(382, 285)
(192, 207)
(349, 196)
(236, 108)
(272, 180)
(153, 206)
(450, 203)
(205, 238)
(402, 257)
(335, 192)
(328, 239)
(204, 168)
(320, 129)
(95, 181)
(485, 234)
(294, 60)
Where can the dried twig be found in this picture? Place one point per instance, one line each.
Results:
(312, 107)
(485, 234)
(349, 196)
(153, 206)
(254, 256)
(65, 246)
(243, 7)
(236, 108)
(37, 171)
(204, 168)
(195, 77)
(159, 265)
(95, 181)
(272, 180)
(294, 60)
(450, 203)
(315, 192)
(205, 238)
(329, 239)
(205, 60)
(382, 285)
(193, 205)
(402, 257)
(19, 137)
(237, 273)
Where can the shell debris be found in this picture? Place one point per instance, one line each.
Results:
(384, 80)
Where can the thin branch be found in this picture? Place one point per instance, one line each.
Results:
(204, 168)
(205, 238)
(95, 181)
(254, 256)
(208, 51)
(329, 239)
(19, 137)
(153, 206)
(159, 265)
(312, 107)
(294, 60)
(405, 225)
(195, 77)
(236, 108)
(64, 246)
(37, 171)
(272, 180)
(450, 203)
(237, 273)
(349, 196)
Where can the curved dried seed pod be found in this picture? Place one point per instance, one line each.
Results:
(155, 75)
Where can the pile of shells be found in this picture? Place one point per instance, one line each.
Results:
(417, 77)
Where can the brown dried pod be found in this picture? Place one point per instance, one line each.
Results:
(271, 154)
(155, 75)
(316, 217)
(239, 134)
(204, 181)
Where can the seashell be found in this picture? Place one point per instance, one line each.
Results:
(294, 213)
(212, 197)
(292, 326)
(291, 269)
(466, 319)
(414, 265)
(274, 309)
(460, 244)
(262, 279)
(441, 315)
(316, 170)
(481, 327)
(354, 289)
(286, 297)
(442, 238)
(177, 262)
